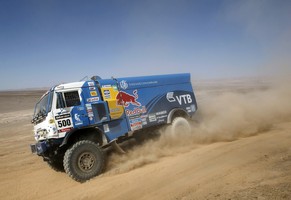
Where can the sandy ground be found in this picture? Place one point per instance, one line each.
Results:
(240, 149)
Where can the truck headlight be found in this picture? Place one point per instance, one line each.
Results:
(42, 133)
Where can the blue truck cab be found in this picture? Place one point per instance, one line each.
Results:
(74, 122)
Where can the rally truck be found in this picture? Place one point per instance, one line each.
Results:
(74, 123)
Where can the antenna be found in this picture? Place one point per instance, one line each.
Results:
(84, 78)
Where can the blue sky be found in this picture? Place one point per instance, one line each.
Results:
(47, 42)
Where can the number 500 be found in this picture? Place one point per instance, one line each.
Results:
(64, 123)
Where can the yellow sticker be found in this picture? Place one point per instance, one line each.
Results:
(93, 93)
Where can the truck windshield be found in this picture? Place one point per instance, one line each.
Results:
(43, 107)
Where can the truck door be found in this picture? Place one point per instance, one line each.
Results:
(70, 110)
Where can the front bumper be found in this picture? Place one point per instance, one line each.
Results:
(39, 148)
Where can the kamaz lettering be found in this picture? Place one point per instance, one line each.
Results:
(75, 122)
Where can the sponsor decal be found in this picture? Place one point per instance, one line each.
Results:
(80, 108)
(181, 99)
(144, 121)
(64, 130)
(135, 124)
(107, 94)
(90, 83)
(170, 97)
(144, 116)
(115, 110)
(106, 128)
(193, 108)
(93, 93)
(93, 99)
(123, 84)
(106, 86)
(92, 88)
(90, 111)
(136, 111)
(63, 116)
(184, 99)
(126, 99)
(143, 83)
(152, 118)
(190, 108)
(162, 117)
(78, 120)
(161, 112)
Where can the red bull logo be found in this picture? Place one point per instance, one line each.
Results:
(136, 111)
(125, 99)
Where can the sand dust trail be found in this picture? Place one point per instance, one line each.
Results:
(239, 149)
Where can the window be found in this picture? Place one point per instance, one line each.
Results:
(72, 98)
(68, 99)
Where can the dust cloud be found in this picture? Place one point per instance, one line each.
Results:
(222, 116)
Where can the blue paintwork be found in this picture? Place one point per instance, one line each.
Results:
(152, 96)
(147, 101)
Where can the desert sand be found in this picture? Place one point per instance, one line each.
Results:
(240, 148)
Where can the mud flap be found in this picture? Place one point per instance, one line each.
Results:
(117, 147)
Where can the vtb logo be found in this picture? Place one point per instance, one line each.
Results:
(182, 99)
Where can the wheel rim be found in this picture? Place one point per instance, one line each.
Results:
(86, 161)
(181, 127)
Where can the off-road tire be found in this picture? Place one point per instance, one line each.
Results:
(84, 160)
(180, 125)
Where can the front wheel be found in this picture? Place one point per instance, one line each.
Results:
(84, 160)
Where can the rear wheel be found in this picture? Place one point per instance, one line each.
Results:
(84, 160)
(180, 126)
